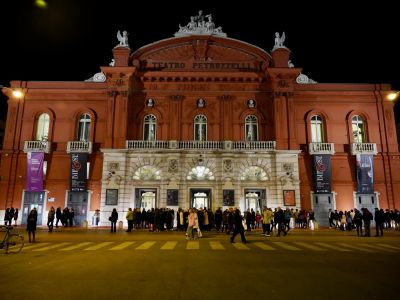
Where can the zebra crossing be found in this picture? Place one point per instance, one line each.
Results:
(213, 245)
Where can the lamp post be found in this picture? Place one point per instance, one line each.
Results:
(16, 93)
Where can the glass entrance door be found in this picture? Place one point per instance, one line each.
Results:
(78, 201)
(200, 198)
(32, 200)
(145, 198)
(255, 199)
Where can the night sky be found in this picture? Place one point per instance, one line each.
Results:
(71, 39)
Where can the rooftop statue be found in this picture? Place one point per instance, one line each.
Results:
(123, 39)
(198, 26)
(279, 40)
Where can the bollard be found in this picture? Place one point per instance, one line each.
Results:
(120, 225)
(85, 224)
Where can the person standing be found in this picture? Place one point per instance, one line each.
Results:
(50, 219)
(58, 216)
(280, 220)
(379, 220)
(268, 216)
(367, 217)
(113, 219)
(71, 217)
(191, 224)
(7, 216)
(238, 221)
(15, 217)
(31, 225)
(358, 222)
(129, 218)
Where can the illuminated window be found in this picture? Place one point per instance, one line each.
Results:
(84, 128)
(200, 128)
(254, 173)
(147, 173)
(251, 127)
(200, 173)
(42, 128)
(149, 128)
(317, 130)
(358, 128)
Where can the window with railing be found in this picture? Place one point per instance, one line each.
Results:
(42, 127)
(251, 128)
(317, 129)
(358, 129)
(150, 128)
(200, 128)
(84, 127)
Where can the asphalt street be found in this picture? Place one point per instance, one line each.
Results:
(95, 264)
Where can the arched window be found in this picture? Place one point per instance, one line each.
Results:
(84, 128)
(200, 128)
(254, 173)
(317, 129)
(358, 128)
(150, 128)
(200, 173)
(147, 173)
(42, 127)
(251, 128)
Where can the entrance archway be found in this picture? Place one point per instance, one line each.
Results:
(200, 198)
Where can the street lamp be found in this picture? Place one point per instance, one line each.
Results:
(393, 96)
(16, 93)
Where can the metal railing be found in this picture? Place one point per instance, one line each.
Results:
(141, 144)
(254, 145)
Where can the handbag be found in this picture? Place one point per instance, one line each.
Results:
(110, 218)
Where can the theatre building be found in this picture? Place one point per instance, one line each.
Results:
(198, 120)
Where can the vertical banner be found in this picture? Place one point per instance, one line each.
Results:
(78, 171)
(322, 173)
(365, 173)
(34, 171)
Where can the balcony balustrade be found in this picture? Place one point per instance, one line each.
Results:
(79, 147)
(37, 146)
(321, 148)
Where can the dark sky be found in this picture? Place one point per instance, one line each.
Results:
(330, 40)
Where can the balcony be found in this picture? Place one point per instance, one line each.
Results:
(364, 148)
(321, 148)
(202, 145)
(37, 146)
(79, 147)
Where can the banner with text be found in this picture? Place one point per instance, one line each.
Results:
(365, 173)
(322, 173)
(78, 171)
(34, 171)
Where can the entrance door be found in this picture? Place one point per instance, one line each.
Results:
(200, 198)
(369, 201)
(321, 204)
(255, 199)
(79, 202)
(145, 198)
(31, 200)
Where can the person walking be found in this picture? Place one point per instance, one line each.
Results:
(50, 219)
(129, 218)
(268, 216)
(113, 219)
(238, 221)
(31, 225)
(191, 224)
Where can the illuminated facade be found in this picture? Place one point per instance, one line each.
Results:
(199, 120)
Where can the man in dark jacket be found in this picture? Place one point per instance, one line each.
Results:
(280, 220)
(238, 219)
(379, 219)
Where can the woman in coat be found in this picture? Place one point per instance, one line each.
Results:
(113, 219)
(31, 225)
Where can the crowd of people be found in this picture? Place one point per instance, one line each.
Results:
(11, 214)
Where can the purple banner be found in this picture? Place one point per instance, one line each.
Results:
(34, 171)
(365, 173)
